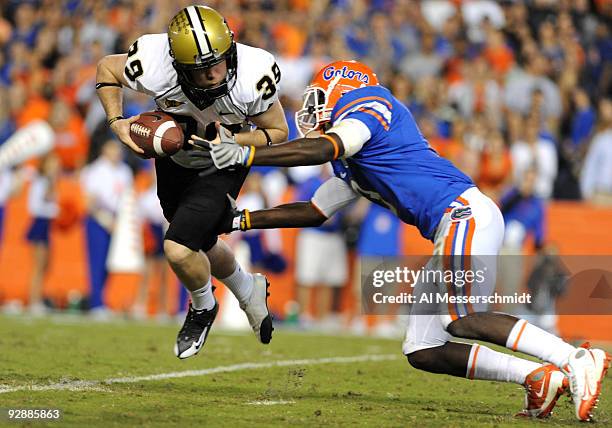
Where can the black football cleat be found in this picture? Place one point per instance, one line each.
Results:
(194, 332)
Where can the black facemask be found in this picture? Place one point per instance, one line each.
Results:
(205, 97)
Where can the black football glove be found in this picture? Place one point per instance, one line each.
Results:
(236, 220)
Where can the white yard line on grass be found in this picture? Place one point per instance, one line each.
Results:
(270, 402)
(95, 385)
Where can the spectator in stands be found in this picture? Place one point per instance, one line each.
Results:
(103, 182)
(385, 49)
(537, 153)
(424, 63)
(583, 119)
(524, 216)
(401, 87)
(71, 139)
(549, 44)
(495, 166)
(477, 92)
(523, 212)
(497, 53)
(598, 67)
(26, 26)
(521, 85)
(449, 148)
(28, 105)
(596, 179)
(436, 13)
(475, 136)
(480, 15)
(264, 246)
(154, 228)
(43, 207)
(321, 261)
(379, 237)
(580, 118)
(96, 29)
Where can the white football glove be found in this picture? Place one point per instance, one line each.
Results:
(224, 155)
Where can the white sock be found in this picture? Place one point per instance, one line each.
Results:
(203, 298)
(487, 364)
(532, 340)
(240, 284)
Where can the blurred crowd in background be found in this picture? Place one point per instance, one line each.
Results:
(517, 93)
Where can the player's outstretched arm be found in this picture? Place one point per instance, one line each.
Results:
(295, 214)
(344, 139)
(302, 151)
(109, 83)
(330, 197)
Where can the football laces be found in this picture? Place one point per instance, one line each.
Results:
(140, 130)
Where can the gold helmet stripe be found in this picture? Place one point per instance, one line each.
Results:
(201, 23)
(198, 31)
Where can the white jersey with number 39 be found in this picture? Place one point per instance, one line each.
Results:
(149, 70)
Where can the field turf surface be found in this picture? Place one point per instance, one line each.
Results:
(300, 379)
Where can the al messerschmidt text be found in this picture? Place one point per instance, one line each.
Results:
(495, 298)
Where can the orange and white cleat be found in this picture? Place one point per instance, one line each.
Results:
(586, 369)
(543, 387)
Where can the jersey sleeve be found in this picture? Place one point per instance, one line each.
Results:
(332, 196)
(148, 67)
(353, 133)
(367, 105)
(258, 80)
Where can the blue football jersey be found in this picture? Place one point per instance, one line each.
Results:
(397, 168)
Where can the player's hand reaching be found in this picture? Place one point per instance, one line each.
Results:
(223, 150)
(236, 220)
(121, 128)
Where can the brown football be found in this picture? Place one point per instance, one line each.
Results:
(157, 134)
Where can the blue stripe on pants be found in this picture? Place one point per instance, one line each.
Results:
(98, 242)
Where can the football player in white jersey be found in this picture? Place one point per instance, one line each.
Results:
(197, 73)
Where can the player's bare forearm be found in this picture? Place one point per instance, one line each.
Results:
(258, 138)
(271, 128)
(296, 214)
(109, 72)
(109, 83)
(112, 101)
(302, 151)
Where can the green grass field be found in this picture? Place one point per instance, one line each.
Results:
(62, 363)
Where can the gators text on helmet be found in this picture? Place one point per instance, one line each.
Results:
(326, 88)
(200, 38)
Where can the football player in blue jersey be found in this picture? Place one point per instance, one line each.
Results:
(377, 151)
